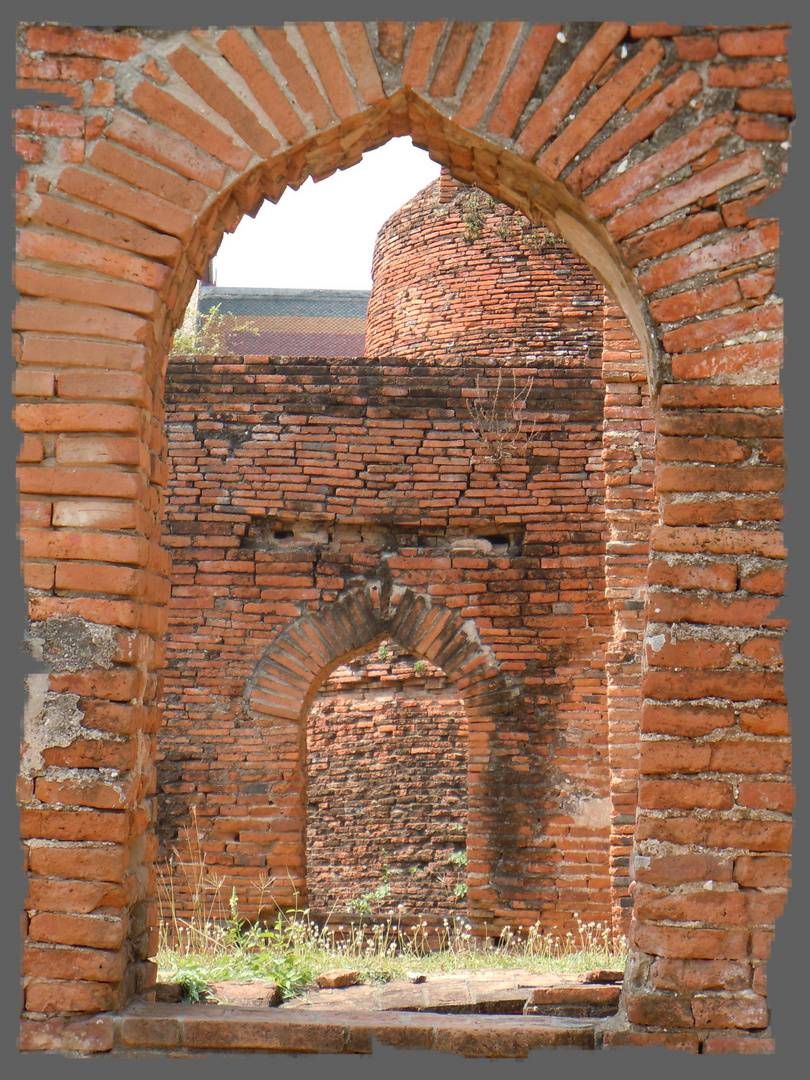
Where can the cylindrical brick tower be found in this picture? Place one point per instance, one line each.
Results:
(457, 273)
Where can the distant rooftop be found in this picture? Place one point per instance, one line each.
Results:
(294, 322)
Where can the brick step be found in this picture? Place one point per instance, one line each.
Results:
(187, 1030)
(511, 1003)
(588, 1000)
(596, 1012)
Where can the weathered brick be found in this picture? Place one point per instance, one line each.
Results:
(747, 1010)
(487, 74)
(451, 62)
(553, 109)
(74, 825)
(684, 795)
(201, 133)
(696, 47)
(621, 190)
(718, 577)
(49, 122)
(766, 719)
(420, 52)
(717, 478)
(85, 1036)
(72, 996)
(753, 73)
(680, 869)
(691, 943)
(750, 1043)
(754, 43)
(521, 82)
(658, 1011)
(95, 965)
(96, 794)
(762, 871)
(689, 720)
(95, 931)
(767, 100)
(733, 358)
(752, 834)
(690, 975)
(79, 897)
(391, 37)
(756, 130)
(766, 795)
(73, 41)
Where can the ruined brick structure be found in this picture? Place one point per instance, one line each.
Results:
(361, 472)
(646, 148)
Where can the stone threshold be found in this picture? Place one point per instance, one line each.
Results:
(180, 1030)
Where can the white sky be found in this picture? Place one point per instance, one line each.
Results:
(322, 236)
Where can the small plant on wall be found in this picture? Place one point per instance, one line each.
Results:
(458, 860)
(497, 419)
(474, 220)
(367, 901)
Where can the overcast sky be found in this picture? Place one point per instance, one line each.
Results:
(322, 236)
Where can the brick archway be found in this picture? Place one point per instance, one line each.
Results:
(646, 147)
(289, 675)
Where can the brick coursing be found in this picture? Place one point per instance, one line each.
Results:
(348, 474)
(387, 788)
(467, 276)
(124, 193)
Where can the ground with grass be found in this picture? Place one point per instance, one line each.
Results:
(294, 951)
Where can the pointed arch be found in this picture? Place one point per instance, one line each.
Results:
(301, 658)
(287, 678)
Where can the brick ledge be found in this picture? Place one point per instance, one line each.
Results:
(146, 1027)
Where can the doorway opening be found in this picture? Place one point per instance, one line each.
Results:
(386, 831)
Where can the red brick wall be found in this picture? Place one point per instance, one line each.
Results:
(387, 787)
(455, 271)
(293, 482)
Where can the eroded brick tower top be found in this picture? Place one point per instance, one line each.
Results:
(457, 273)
